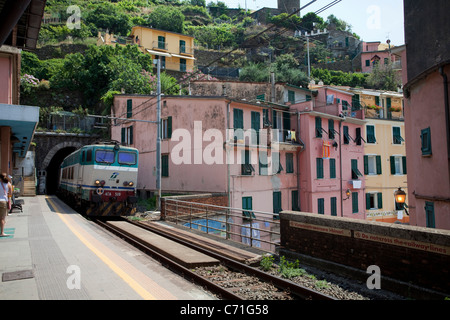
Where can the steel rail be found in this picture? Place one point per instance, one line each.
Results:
(141, 245)
(284, 284)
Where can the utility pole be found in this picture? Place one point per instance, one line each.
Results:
(158, 134)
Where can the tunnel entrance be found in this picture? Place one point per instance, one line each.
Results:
(52, 169)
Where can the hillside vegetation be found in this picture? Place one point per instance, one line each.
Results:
(88, 76)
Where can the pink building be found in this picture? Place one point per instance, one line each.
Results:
(374, 53)
(331, 181)
(427, 114)
(208, 145)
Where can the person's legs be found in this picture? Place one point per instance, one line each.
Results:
(3, 213)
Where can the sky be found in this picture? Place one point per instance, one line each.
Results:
(372, 20)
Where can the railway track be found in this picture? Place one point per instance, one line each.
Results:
(231, 280)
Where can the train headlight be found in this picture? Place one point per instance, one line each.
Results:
(102, 182)
(131, 183)
(97, 182)
(125, 183)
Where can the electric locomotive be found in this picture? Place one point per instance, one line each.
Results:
(100, 179)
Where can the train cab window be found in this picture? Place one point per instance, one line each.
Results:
(127, 158)
(89, 156)
(106, 156)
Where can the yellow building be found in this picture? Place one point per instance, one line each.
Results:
(176, 50)
(385, 166)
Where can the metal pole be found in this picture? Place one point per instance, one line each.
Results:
(309, 61)
(158, 134)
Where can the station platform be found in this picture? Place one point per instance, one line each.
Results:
(53, 253)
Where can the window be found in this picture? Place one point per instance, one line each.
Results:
(164, 165)
(333, 203)
(291, 96)
(256, 125)
(247, 207)
(166, 128)
(331, 128)
(371, 134)
(276, 163)
(367, 63)
(429, 213)
(319, 168)
(127, 158)
(289, 163)
(374, 200)
(161, 42)
(104, 156)
(346, 135)
(129, 108)
(263, 164)
(321, 206)
(355, 202)
(359, 137)
(277, 204)
(386, 61)
(425, 136)
(318, 127)
(127, 135)
(182, 46)
(397, 137)
(182, 65)
(246, 166)
(355, 172)
(295, 206)
(238, 121)
(398, 165)
(372, 165)
(332, 168)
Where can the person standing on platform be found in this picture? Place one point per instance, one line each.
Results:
(5, 201)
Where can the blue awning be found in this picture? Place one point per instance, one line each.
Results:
(23, 121)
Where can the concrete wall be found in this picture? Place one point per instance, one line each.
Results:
(405, 254)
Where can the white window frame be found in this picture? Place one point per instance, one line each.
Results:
(398, 161)
(374, 194)
(372, 158)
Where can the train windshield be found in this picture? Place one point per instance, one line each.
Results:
(106, 156)
(127, 157)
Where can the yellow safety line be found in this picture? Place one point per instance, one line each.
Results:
(129, 280)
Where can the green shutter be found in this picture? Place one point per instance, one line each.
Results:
(366, 165)
(289, 163)
(131, 134)
(256, 126)
(295, 206)
(333, 202)
(392, 159)
(321, 206)
(319, 168)
(129, 108)
(169, 127)
(379, 170)
(247, 206)
(238, 121)
(380, 200)
(332, 168)
(165, 165)
(263, 165)
(346, 136)
(123, 136)
(371, 134)
(277, 203)
(429, 211)
(368, 207)
(377, 101)
(318, 127)
(355, 202)
(331, 128)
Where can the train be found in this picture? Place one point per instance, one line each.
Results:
(100, 179)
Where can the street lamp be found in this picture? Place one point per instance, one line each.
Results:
(400, 196)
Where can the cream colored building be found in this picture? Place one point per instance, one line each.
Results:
(385, 165)
(176, 50)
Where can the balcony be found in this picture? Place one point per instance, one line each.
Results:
(267, 137)
(377, 112)
(160, 45)
(186, 50)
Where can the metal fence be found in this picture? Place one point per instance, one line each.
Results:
(256, 229)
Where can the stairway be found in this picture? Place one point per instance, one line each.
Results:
(29, 186)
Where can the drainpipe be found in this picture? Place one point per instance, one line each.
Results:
(298, 161)
(446, 102)
(228, 154)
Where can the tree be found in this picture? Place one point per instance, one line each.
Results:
(167, 18)
(384, 77)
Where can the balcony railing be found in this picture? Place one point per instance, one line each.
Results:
(160, 45)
